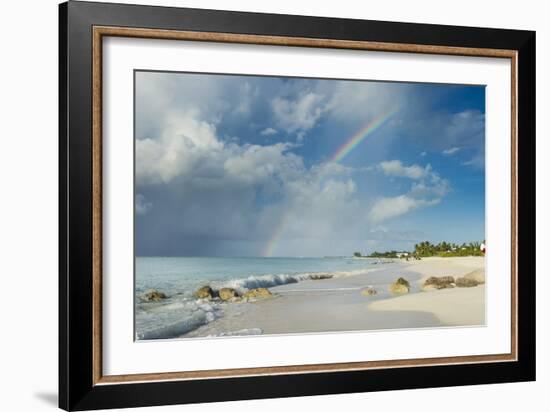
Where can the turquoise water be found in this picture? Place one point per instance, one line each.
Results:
(179, 277)
(178, 274)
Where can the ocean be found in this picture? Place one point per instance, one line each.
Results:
(179, 277)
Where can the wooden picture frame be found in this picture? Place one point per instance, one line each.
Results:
(82, 385)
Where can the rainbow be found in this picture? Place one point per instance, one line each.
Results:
(356, 139)
(342, 151)
(276, 236)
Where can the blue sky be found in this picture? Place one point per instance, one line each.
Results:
(247, 166)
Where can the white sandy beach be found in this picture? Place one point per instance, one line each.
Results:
(337, 304)
(453, 307)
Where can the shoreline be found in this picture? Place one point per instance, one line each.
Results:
(336, 304)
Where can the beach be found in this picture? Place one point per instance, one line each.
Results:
(315, 305)
(452, 307)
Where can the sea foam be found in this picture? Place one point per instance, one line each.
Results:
(175, 319)
(268, 281)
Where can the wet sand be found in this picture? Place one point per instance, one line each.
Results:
(336, 304)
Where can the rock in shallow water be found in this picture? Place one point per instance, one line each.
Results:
(206, 292)
(257, 293)
(227, 293)
(400, 286)
(154, 296)
(321, 277)
(368, 291)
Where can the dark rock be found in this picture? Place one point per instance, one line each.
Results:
(154, 296)
(206, 292)
(466, 282)
(257, 293)
(227, 293)
(441, 282)
(400, 286)
(321, 277)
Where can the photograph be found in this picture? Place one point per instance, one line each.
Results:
(270, 205)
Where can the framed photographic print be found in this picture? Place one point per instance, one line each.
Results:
(256, 205)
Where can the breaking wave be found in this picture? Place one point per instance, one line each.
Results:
(268, 281)
(175, 319)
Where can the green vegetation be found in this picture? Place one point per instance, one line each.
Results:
(390, 254)
(427, 249)
(444, 249)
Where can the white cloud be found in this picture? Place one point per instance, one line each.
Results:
(269, 131)
(182, 146)
(427, 189)
(423, 154)
(388, 207)
(190, 148)
(344, 101)
(298, 114)
(397, 169)
(160, 96)
(451, 151)
(436, 189)
(254, 165)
